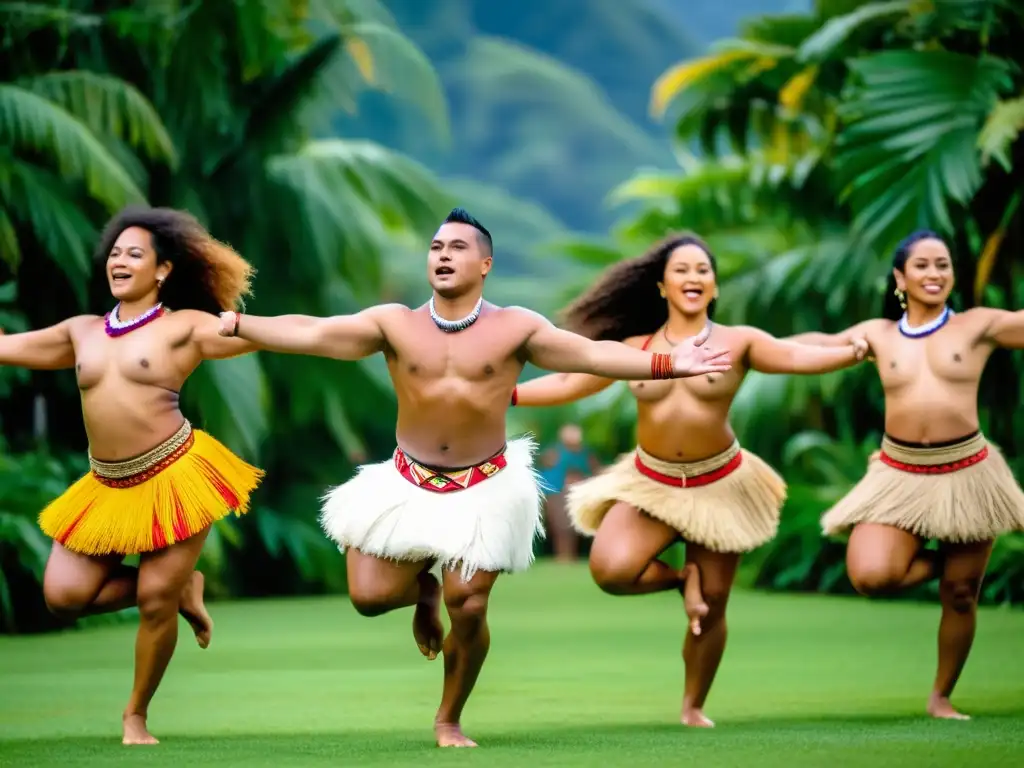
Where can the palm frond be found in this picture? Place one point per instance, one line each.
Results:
(272, 113)
(107, 105)
(393, 64)
(907, 149)
(18, 20)
(1001, 130)
(232, 397)
(353, 196)
(40, 200)
(835, 32)
(33, 125)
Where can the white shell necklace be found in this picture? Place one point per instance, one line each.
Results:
(453, 326)
(927, 329)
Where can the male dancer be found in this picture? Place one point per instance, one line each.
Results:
(455, 494)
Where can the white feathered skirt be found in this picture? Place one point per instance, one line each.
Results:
(480, 518)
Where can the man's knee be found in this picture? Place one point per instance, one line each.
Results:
(468, 605)
(369, 600)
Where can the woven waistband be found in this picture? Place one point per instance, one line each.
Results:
(947, 457)
(151, 461)
(691, 473)
(443, 480)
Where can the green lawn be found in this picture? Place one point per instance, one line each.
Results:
(574, 677)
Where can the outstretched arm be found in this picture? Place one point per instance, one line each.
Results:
(48, 349)
(841, 339)
(559, 388)
(557, 350)
(212, 345)
(344, 337)
(1003, 328)
(770, 355)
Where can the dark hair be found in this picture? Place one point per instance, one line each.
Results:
(207, 275)
(891, 308)
(624, 301)
(462, 216)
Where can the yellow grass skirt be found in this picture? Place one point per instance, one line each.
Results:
(960, 492)
(727, 503)
(152, 501)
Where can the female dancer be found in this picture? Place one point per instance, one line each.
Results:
(936, 476)
(688, 479)
(156, 484)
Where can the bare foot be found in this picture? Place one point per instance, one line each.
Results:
(451, 735)
(939, 706)
(693, 601)
(193, 609)
(426, 621)
(695, 718)
(135, 731)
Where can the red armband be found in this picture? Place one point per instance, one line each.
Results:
(515, 394)
(661, 366)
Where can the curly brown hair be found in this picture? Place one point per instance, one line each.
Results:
(208, 275)
(624, 301)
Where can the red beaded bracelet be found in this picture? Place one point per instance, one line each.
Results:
(661, 366)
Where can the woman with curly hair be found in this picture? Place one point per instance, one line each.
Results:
(688, 479)
(156, 485)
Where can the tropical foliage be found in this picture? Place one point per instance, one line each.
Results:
(824, 139)
(213, 107)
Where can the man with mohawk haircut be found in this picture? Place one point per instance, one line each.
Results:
(457, 496)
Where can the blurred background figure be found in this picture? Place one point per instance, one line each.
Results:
(567, 462)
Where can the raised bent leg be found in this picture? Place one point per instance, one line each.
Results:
(624, 559)
(163, 578)
(702, 653)
(882, 559)
(377, 586)
(465, 649)
(963, 571)
(82, 585)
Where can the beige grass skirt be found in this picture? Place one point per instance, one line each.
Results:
(959, 492)
(727, 503)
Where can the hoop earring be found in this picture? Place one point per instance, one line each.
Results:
(901, 297)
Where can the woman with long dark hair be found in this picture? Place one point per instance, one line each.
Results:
(688, 478)
(156, 485)
(936, 477)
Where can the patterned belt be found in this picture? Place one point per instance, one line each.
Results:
(447, 480)
(689, 474)
(940, 460)
(135, 471)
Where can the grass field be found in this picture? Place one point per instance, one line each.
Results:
(574, 677)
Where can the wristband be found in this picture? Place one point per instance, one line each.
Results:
(515, 394)
(661, 366)
(238, 319)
